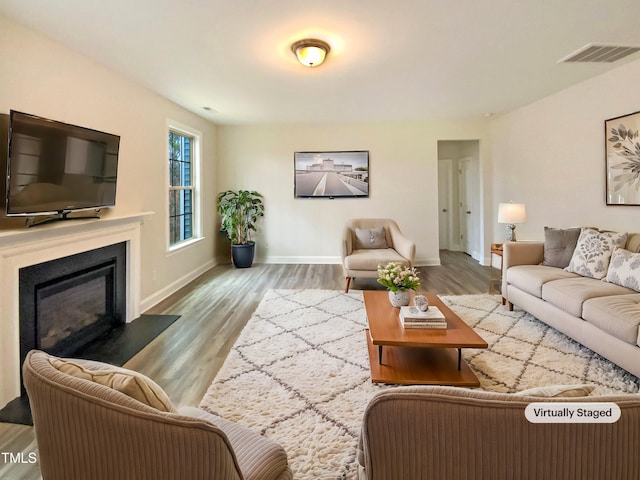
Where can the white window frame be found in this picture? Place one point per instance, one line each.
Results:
(196, 159)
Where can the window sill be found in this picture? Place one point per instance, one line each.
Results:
(185, 244)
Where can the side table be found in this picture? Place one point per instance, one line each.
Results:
(496, 249)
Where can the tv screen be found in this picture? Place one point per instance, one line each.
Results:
(54, 167)
(331, 174)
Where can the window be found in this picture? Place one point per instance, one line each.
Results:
(183, 156)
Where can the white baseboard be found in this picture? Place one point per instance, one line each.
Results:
(174, 286)
(302, 260)
(477, 256)
(427, 262)
(424, 262)
(491, 262)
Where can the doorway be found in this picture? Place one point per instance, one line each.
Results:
(445, 203)
(459, 196)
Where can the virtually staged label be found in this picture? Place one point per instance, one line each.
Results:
(568, 412)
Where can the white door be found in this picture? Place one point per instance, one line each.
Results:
(445, 193)
(466, 204)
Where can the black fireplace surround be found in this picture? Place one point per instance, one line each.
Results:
(67, 303)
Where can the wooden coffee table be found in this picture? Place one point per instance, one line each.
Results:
(416, 356)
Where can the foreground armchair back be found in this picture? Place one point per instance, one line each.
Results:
(369, 242)
(88, 430)
(414, 433)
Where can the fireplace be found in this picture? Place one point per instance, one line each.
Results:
(24, 247)
(67, 303)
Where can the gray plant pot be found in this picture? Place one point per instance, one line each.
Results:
(242, 255)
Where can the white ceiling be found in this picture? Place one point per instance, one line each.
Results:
(390, 60)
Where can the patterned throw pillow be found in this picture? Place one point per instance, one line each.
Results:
(371, 238)
(624, 269)
(593, 252)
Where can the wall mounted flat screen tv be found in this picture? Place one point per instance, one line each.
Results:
(331, 174)
(56, 168)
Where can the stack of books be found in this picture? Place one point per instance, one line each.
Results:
(433, 318)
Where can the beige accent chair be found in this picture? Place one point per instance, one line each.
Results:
(359, 260)
(86, 430)
(455, 433)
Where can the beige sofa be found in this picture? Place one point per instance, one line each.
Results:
(106, 429)
(451, 433)
(600, 315)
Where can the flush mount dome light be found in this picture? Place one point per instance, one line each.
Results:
(311, 52)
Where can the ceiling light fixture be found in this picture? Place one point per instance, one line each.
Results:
(311, 52)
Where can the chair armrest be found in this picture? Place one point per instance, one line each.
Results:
(256, 455)
(519, 253)
(347, 243)
(522, 253)
(403, 245)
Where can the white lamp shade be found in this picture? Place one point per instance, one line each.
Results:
(512, 213)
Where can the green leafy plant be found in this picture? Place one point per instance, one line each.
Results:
(396, 276)
(239, 212)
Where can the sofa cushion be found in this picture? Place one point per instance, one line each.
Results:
(569, 294)
(593, 252)
(530, 278)
(367, 238)
(552, 391)
(559, 245)
(633, 242)
(132, 384)
(624, 269)
(618, 315)
(370, 259)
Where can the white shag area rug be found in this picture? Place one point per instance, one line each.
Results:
(299, 372)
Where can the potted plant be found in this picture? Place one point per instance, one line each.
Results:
(239, 212)
(398, 279)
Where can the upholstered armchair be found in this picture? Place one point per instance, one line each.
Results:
(369, 242)
(95, 421)
(456, 433)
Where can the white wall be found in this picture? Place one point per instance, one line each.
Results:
(550, 156)
(403, 183)
(42, 77)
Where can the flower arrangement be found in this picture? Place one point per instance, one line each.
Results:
(398, 277)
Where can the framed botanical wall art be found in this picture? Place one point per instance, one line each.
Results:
(623, 159)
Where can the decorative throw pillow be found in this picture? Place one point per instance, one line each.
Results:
(593, 252)
(133, 384)
(624, 269)
(371, 238)
(633, 242)
(559, 245)
(559, 391)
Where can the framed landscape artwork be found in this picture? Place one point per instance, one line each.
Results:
(331, 174)
(623, 159)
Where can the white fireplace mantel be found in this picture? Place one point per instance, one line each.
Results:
(30, 246)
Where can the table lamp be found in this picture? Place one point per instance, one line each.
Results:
(511, 213)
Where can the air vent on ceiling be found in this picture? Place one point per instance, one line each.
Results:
(599, 53)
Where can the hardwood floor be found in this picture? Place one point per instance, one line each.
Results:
(214, 308)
